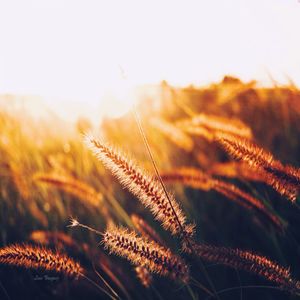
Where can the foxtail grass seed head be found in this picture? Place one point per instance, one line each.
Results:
(142, 252)
(250, 262)
(195, 178)
(222, 124)
(145, 188)
(34, 257)
(209, 126)
(284, 179)
(246, 200)
(244, 150)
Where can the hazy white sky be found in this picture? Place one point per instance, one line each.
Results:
(73, 49)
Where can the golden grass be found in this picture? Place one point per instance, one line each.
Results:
(145, 188)
(246, 200)
(200, 131)
(284, 179)
(208, 126)
(197, 179)
(234, 169)
(174, 134)
(250, 262)
(221, 113)
(142, 252)
(71, 185)
(189, 176)
(157, 259)
(34, 257)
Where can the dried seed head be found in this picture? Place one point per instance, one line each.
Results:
(223, 124)
(284, 179)
(143, 252)
(195, 178)
(209, 125)
(145, 188)
(34, 257)
(246, 200)
(247, 261)
(243, 149)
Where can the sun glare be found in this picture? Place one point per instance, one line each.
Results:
(118, 100)
(71, 51)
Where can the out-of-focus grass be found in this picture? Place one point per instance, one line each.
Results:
(28, 147)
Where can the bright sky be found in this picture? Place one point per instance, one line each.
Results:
(70, 49)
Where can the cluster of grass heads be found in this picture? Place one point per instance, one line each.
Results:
(48, 174)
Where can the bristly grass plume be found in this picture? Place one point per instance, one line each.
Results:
(250, 262)
(144, 187)
(34, 257)
(142, 252)
(198, 179)
(284, 179)
(209, 126)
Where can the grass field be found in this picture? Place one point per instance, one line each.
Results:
(228, 153)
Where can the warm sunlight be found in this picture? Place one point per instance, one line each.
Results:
(149, 149)
(81, 51)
